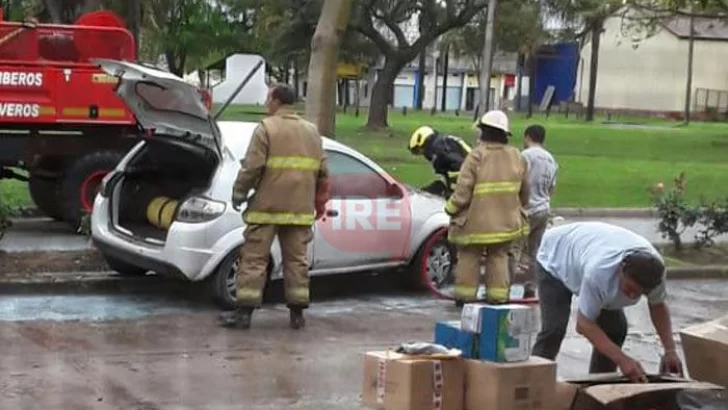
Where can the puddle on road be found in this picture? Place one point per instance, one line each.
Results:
(87, 307)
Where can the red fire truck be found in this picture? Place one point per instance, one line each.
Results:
(60, 119)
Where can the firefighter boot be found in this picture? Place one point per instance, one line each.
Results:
(239, 318)
(297, 319)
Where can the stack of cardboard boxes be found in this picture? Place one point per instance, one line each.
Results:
(499, 370)
(494, 371)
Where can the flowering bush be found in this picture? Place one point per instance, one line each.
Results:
(5, 213)
(676, 214)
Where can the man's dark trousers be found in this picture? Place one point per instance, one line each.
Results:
(555, 303)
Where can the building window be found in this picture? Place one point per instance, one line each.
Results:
(305, 88)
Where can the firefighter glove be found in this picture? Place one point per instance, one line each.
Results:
(238, 200)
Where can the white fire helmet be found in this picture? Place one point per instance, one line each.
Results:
(496, 119)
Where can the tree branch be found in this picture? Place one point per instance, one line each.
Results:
(364, 25)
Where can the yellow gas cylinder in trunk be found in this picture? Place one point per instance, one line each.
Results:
(161, 210)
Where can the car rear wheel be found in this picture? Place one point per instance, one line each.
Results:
(123, 268)
(223, 282)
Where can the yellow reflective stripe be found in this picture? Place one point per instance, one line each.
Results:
(450, 207)
(488, 238)
(249, 295)
(497, 295)
(298, 295)
(465, 146)
(466, 292)
(45, 110)
(111, 112)
(302, 163)
(279, 218)
(453, 174)
(485, 188)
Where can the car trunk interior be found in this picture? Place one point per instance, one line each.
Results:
(156, 182)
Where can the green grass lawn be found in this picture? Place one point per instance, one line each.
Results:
(601, 165)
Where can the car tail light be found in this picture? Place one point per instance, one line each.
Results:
(207, 98)
(199, 209)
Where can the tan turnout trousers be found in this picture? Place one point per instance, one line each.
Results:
(254, 257)
(467, 272)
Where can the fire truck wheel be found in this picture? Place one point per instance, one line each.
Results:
(82, 181)
(46, 194)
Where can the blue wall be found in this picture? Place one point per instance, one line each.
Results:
(556, 65)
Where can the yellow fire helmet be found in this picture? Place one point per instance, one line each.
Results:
(418, 138)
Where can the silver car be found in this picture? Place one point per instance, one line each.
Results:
(166, 207)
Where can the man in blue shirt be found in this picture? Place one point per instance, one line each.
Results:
(608, 268)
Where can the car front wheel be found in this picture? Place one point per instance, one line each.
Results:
(434, 263)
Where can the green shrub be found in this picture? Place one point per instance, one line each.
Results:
(676, 215)
(5, 214)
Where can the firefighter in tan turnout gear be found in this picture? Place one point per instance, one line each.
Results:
(286, 165)
(486, 211)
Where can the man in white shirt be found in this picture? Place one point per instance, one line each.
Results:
(608, 268)
(542, 169)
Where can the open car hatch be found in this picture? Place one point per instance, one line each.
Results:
(166, 106)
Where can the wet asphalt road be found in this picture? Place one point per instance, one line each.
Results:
(164, 351)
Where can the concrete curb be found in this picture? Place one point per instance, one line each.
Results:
(110, 282)
(697, 272)
(84, 282)
(605, 212)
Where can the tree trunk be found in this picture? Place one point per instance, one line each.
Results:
(421, 67)
(296, 79)
(445, 72)
(91, 5)
(176, 62)
(485, 72)
(519, 81)
(55, 10)
(532, 61)
(134, 19)
(379, 103)
(596, 34)
(321, 98)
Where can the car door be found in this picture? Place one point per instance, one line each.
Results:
(367, 221)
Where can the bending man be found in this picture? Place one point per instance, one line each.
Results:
(608, 268)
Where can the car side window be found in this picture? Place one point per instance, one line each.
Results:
(351, 178)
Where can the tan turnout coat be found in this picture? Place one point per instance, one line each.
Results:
(487, 206)
(285, 164)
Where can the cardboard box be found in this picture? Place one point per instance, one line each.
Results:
(450, 335)
(505, 331)
(706, 351)
(616, 392)
(397, 382)
(516, 319)
(528, 385)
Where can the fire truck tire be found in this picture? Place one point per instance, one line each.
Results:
(46, 194)
(81, 182)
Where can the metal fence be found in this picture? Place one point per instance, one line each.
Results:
(710, 99)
